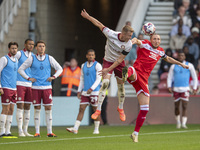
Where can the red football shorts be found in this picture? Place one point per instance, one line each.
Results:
(44, 95)
(117, 70)
(9, 97)
(93, 100)
(140, 84)
(181, 96)
(24, 94)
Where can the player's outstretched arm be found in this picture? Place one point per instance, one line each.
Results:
(136, 41)
(105, 71)
(173, 61)
(85, 15)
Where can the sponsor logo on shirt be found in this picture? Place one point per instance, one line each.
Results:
(148, 47)
(153, 56)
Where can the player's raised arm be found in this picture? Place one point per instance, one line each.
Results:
(173, 61)
(85, 15)
(136, 41)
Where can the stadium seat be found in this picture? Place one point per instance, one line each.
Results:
(162, 86)
(164, 76)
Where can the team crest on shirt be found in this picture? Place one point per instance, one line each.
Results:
(123, 47)
(41, 66)
(15, 68)
(87, 74)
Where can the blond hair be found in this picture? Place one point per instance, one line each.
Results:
(127, 28)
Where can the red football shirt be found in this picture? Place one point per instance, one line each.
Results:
(147, 57)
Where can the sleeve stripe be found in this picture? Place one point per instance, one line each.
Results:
(164, 56)
(125, 52)
(103, 28)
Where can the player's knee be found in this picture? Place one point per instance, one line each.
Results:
(20, 105)
(177, 111)
(81, 110)
(5, 110)
(184, 106)
(105, 84)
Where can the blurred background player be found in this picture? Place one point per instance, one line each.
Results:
(24, 92)
(148, 54)
(118, 45)
(70, 78)
(40, 65)
(88, 90)
(180, 78)
(8, 73)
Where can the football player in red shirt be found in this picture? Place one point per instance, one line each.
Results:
(148, 54)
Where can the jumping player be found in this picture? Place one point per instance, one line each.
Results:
(40, 65)
(118, 45)
(148, 54)
(88, 90)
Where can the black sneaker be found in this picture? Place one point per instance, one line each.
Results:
(2, 135)
(9, 134)
(124, 74)
(51, 135)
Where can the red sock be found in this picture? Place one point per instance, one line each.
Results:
(140, 119)
(130, 71)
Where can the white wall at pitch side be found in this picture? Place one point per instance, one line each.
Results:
(65, 111)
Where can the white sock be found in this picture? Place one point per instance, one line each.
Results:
(2, 123)
(26, 120)
(121, 95)
(99, 106)
(8, 124)
(19, 118)
(96, 125)
(178, 120)
(48, 115)
(77, 124)
(37, 120)
(136, 133)
(184, 120)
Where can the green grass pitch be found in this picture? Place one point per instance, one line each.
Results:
(152, 137)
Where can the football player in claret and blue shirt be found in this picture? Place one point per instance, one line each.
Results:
(180, 78)
(24, 92)
(40, 65)
(8, 78)
(88, 90)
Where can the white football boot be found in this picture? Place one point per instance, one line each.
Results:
(72, 130)
(96, 132)
(134, 137)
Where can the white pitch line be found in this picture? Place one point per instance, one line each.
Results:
(97, 137)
